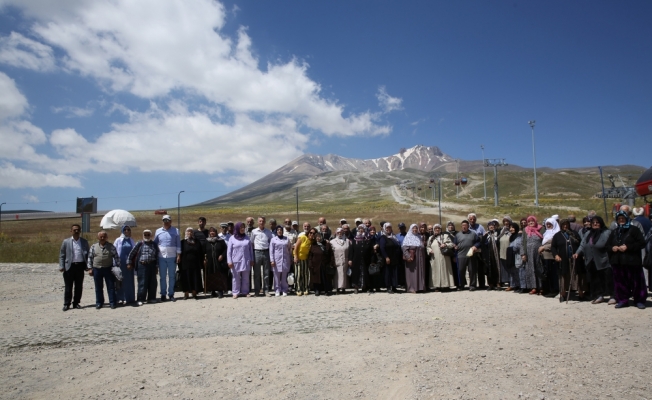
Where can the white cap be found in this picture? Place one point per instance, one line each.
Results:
(358, 220)
(166, 216)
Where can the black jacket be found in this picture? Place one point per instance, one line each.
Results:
(633, 239)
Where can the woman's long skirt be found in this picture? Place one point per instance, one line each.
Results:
(415, 273)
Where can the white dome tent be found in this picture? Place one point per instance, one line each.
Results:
(116, 219)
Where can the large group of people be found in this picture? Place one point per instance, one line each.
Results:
(557, 258)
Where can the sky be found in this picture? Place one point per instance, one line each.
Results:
(133, 102)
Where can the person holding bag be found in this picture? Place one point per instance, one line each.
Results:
(440, 247)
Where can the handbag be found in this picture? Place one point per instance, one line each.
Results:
(349, 272)
(374, 269)
(445, 251)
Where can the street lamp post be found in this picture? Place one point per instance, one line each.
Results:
(484, 173)
(495, 163)
(179, 208)
(534, 157)
(1, 215)
(457, 185)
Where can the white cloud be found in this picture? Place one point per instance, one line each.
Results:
(72, 112)
(247, 119)
(19, 51)
(16, 178)
(387, 102)
(150, 48)
(30, 198)
(12, 102)
(176, 139)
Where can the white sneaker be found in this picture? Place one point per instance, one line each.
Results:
(277, 294)
(285, 294)
(140, 303)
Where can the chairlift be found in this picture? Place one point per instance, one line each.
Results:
(457, 182)
(464, 181)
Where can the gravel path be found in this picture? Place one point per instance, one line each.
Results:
(435, 345)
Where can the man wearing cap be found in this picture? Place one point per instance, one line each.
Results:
(224, 234)
(358, 221)
(260, 237)
(290, 231)
(145, 257)
(169, 243)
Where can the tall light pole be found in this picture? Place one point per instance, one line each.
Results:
(495, 163)
(1, 215)
(457, 184)
(484, 173)
(534, 157)
(179, 210)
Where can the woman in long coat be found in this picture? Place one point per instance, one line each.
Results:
(564, 244)
(413, 254)
(390, 251)
(217, 271)
(491, 255)
(514, 261)
(320, 258)
(532, 238)
(280, 253)
(240, 258)
(340, 246)
(596, 258)
(360, 255)
(625, 245)
(191, 265)
(441, 270)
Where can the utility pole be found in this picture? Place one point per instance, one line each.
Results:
(534, 157)
(179, 210)
(495, 163)
(1, 215)
(484, 173)
(298, 206)
(457, 185)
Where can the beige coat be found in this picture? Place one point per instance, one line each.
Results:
(341, 258)
(441, 270)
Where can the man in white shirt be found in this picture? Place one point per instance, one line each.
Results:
(224, 234)
(260, 237)
(169, 243)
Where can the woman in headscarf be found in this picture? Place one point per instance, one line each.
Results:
(514, 259)
(532, 238)
(625, 245)
(564, 244)
(240, 258)
(413, 254)
(507, 276)
(441, 271)
(320, 260)
(376, 282)
(596, 259)
(217, 271)
(490, 255)
(125, 293)
(452, 233)
(280, 252)
(551, 267)
(340, 245)
(190, 267)
(360, 255)
(390, 250)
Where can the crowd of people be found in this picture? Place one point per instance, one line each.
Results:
(558, 258)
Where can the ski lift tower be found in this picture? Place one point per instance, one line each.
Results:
(495, 163)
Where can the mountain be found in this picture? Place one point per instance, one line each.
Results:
(421, 158)
(329, 177)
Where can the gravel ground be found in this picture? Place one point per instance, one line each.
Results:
(461, 345)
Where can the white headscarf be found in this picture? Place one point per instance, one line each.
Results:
(549, 233)
(411, 239)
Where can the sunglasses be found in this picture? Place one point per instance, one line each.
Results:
(147, 235)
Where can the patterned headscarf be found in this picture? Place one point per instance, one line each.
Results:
(412, 239)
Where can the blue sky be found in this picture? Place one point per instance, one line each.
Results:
(132, 102)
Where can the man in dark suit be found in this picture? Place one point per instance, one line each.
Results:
(72, 263)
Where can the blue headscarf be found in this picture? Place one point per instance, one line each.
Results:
(626, 225)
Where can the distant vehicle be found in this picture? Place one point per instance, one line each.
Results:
(160, 212)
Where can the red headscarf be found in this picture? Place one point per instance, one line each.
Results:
(533, 230)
